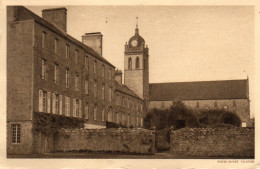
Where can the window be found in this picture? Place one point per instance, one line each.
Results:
(67, 77)
(243, 124)
(141, 122)
(67, 106)
(77, 82)
(75, 107)
(137, 121)
(56, 45)
(129, 63)
(56, 73)
(198, 105)
(80, 109)
(76, 56)
(43, 102)
(109, 94)
(48, 102)
(137, 63)
(95, 112)
(225, 107)
(86, 61)
(16, 133)
(123, 118)
(86, 86)
(103, 114)
(43, 39)
(103, 91)
(86, 111)
(44, 69)
(55, 103)
(117, 117)
(128, 120)
(67, 51)
(60, 108)
(234, 104)
(103, 71)
(95, 89)
(95, 66)
(215, 104)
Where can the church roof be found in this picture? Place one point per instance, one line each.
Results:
(124, 89)
(201, 90)
(30, 15)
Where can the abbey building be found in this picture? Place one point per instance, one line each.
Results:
(50, 72)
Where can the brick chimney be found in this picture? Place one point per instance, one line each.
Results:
(118, 76)
(56, 16)
(94, 41)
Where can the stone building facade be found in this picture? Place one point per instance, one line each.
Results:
(51, 72)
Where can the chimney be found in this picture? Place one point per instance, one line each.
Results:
(118, 76)
(94, 41)
(56, 16)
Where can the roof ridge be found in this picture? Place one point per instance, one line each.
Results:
(201, 81)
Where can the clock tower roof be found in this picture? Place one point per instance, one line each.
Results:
(136, 40)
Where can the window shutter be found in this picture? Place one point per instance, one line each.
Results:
(80, 109)
(68, 106)
(61, 112)
(74, 107)
(42, 75)
(53, 103)
(40, 100)
(49, 102)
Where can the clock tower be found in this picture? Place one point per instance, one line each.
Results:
(136, 66)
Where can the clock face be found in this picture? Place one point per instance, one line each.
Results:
(134, 43)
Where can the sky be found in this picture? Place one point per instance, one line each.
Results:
(186, 43)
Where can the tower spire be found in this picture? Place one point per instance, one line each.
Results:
(136, 29)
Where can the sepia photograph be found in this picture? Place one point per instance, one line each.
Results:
(130, 82)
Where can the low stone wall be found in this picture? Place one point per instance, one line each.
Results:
(139, 141)
(213, 142)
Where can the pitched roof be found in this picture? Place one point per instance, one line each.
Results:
(62, 33)
(124, 89)
(201, 90)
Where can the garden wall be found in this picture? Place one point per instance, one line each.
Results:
(138, 141)
(213, 142)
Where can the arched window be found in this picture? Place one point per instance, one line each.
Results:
(130, 63)
(137, 63)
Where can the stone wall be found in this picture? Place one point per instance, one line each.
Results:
(213, 142)
(138, 141)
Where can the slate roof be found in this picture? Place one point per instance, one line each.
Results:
(124, 89)
(61, 33)
(201, 90)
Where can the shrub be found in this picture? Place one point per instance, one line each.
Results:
(176, 117)
(217, 117)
